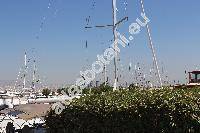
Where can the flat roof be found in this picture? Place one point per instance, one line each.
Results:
(33, 110)
(29, 111)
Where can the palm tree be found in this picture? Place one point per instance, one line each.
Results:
(46, 92)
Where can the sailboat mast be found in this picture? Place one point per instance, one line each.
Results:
(114, 9)
(34, 72)
(105, 75)
(25, 65)
(152, 46)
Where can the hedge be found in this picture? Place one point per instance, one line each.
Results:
(130, 111)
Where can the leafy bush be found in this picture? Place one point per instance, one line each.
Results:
(135, 111)
(98, 90)
(65, 89)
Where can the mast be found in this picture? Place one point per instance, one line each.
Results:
(34, 74)
(152, 46)
(114, 9)
(105, 75)
(25, 65)
(114, 28)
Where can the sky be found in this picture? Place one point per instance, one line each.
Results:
(52, 31)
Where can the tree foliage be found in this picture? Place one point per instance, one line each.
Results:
(135, 111)
(46, 92)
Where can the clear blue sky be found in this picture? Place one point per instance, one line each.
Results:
(60, 48)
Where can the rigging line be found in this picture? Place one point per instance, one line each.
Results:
(151, 45)
(109, 25)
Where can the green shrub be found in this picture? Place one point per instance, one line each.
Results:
(98, 90)
(138, 111)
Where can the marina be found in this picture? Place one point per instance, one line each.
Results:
(99, 67)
